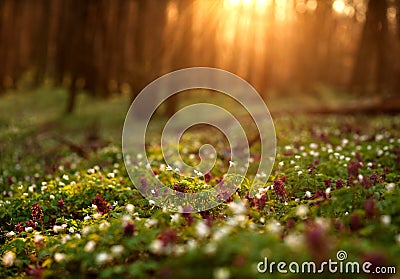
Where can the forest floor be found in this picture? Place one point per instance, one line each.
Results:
(68, 207)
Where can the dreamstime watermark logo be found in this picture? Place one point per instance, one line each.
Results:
(330, 266)
(137, 121)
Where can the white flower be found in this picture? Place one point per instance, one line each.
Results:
(129, 208)
(102, 258)
(237, 207)
(117, 249)
(37, 238)
(139, 156)
(71, 230)
(281, 163)
(65, 177)
(169, 168)
(78, 236)
(390, 187)
(57, 229)
(237, 220)
(328, 190)
(263, 190)
(302, 211)
(28, 229)
(85, 230)
(299, 173)
(126, 219)
(162, 167)
(64, 226)
(9, 258)
(274, 226)
(210, 248)
(87, 218)
(151, 202)
(177, 170)
(295, 241)
(308, 194)
(91, 171)
(89, 247)
(322, 223)
(96, 216)
(65, 239)
(43, 188)
(175, 218)
(52, 197)
(386, 219)
(379, 137)
(202, 229)
(156, 246)
(111, 175)
(221, 232)
(191, 244)
(313, 145)
(104, 225)
(231, 164)
(94, 206)
(31, 189)
(179, 250)
(296, 168)
(221, 273)
(150, 223)
(10, 234)
(59, 257)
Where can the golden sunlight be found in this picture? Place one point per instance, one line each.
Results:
(259, 4)
(339, 6)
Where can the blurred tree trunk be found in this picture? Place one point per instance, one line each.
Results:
(397, 68)
(371, 59)
(41, 43)
(3, 41)
(269, 53)
(250, 71)
(237, 45)
(182, 52)
(138, 81)
(324, 21)
(77, 48)
(148, 44)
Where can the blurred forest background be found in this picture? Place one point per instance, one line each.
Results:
(104, 47)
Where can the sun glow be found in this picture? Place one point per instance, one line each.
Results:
(339, 6)
(258, 4)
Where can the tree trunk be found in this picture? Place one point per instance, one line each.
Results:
(182, 54)
(371, 59)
